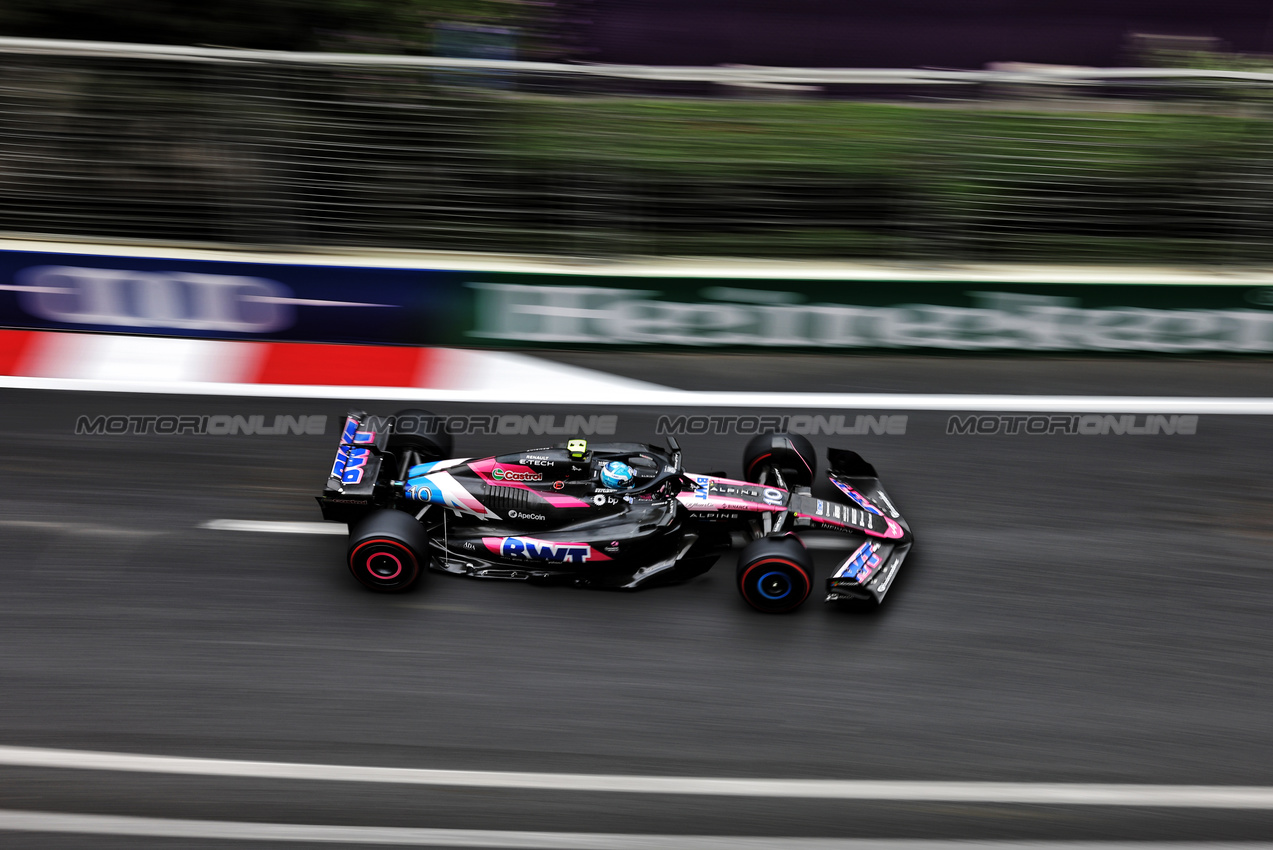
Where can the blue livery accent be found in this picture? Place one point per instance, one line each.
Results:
(861, 563)
(350, 464)
(424, 468)
(856, 497)
(355, 463)
(420, 491)
(351, 428)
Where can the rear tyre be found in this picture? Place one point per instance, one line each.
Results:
(791, 454)
(411, 431)
(775, 574)
(387, 550)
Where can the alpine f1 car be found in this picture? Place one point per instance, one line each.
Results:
(616, 515)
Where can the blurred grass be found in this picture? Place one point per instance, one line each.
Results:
(850, 179)
(851, 137)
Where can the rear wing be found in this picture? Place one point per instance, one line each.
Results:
(350, 490)
(358, 458)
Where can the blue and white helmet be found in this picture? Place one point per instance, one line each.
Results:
(617, 474)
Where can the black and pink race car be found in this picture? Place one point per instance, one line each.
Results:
(612, 515)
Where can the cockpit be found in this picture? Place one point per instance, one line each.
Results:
(631, 472)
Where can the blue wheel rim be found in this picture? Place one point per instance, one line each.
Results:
(786, 585)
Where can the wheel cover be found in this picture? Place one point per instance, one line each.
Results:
(774, 585)
(385, 562)
(769, 598)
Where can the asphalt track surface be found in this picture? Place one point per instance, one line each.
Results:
(1077, 609)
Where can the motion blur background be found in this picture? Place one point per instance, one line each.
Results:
(1081, 608)
(1034, 153)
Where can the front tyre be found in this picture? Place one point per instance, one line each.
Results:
(387, 550)
(775, 574)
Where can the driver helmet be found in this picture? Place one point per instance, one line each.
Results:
(617, 474)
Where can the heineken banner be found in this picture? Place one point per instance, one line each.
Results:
(963, 315)
(243, 296)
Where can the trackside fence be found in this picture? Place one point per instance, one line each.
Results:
(253, 148)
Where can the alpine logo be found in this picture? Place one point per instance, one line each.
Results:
(502, 474)
(531, 549)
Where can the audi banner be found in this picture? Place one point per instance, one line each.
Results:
(553, 306)
(226, 299)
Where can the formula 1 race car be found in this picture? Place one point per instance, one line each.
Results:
(616, 515)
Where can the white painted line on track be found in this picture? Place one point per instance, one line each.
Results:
(20, 821)
(626, 396)
(827, 542)
(275, 527)
(78, 528)
(1023, 793)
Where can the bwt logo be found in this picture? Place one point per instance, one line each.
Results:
(163, 299)
(350, 464)
(529, 549)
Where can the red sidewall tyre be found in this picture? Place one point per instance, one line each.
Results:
(387, 551)
(384, 565)
(775, 575)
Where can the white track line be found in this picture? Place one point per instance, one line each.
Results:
(20, 821)
(1028, 793)
(625, 396)
(275, 527)
(253, 525)
(78, 528)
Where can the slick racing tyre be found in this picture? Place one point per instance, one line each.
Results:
(775, 574)
(791, 454)
(387, 550)
(411, 430)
